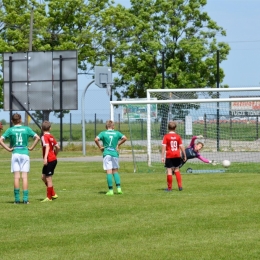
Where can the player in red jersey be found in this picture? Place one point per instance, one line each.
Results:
(172, 150)
(50, 149)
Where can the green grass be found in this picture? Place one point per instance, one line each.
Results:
(216, 216)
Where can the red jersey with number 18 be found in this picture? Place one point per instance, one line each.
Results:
(172, 141)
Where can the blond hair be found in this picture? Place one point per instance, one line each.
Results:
(109, 124)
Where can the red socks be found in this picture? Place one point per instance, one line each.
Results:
(50, 192)
(178, 179)
(169, 182)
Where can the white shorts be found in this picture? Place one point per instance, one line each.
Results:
(20, 163)
(110, 162)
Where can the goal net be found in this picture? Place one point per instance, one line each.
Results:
(228, 120)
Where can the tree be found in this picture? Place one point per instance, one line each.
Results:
(136, 37)
(58, 25)
(181, 29)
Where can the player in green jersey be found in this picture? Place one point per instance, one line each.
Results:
(111, 141)
(19, 136)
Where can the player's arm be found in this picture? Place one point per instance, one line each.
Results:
(45, 157)
(36, 140)
(56, 149)
(203, 159)
(122, 140)
(163, 152)
(192, 141)
(184, 157)
(5, 146)
(98, 144)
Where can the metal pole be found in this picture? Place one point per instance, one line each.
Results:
(83, 118)
(218, 134)
(30, 49)
(61, 107)
(70, 128)
(10, 89)
(111, 63)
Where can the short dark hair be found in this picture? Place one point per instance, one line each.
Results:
(16, 118)
(46, 125)
(172, 126)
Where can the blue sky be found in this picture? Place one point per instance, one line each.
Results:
(240, 19)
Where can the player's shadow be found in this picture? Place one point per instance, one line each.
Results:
(102, 192)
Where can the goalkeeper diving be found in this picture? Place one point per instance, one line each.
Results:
(193, 151)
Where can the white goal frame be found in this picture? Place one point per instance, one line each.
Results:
(179, 101)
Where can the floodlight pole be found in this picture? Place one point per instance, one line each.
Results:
(83, 117)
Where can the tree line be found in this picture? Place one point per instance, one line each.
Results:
(153, 43)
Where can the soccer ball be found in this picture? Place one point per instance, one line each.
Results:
(226, 163)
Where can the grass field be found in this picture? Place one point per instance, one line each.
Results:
(216, 216)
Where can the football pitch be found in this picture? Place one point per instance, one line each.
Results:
(216, 216)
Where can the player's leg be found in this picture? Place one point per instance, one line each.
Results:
(15, 169)
(51, 167)
(115, 165)
(16, 187)
(48, 171)
(178, 178)
(44, 176)
(25, 168)
(176, 163)
(107, 166)
(49, 186)
(25, 188)
(168, 165)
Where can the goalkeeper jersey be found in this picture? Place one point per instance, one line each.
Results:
(110, 140)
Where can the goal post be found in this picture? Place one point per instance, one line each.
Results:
(228, 117)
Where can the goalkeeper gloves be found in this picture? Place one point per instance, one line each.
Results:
(213, 162)
(200, 136)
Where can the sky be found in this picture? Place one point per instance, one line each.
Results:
(240, 19)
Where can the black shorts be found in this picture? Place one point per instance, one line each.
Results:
(48, 169)
(173, 162)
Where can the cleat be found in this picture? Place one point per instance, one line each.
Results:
(46, 200)
(55, 196)
(180, 188)
(26, 202)
(110, 192)
(17, 202)
(167, 190)
(119, 191)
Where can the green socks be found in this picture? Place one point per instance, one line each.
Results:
(25, 195)
(17, 195)
(117, 179)
(110, 181)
